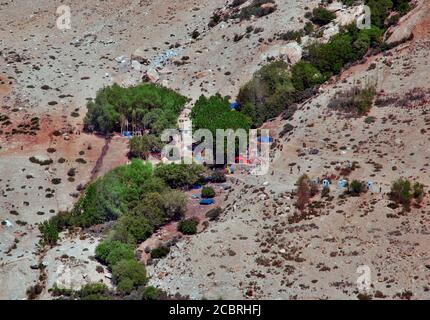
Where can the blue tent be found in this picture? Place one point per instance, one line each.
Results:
(196, 186)
(265, 139)
(207, 202)
(126, 134)
(234, 105)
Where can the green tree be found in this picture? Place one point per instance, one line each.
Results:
(142, 147)
(110, 252)
(147, 106)
(269, 92)
(179, 175)
(401, 191)
(175, 204)
(380, 9)
(129, 274)
(305, 75)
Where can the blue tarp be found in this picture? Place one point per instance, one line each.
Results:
(234, 105)
(207, 202)
(265, 139)
(196, 186)
(126, 134)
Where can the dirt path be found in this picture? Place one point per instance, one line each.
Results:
(99, 161)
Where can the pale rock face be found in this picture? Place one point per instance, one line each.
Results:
(291, 52)
(350, 15)
(335, 6)
(330, 32)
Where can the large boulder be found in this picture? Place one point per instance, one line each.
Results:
(151, 75)
(140, 56)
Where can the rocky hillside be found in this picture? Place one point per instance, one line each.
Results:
(262, 247)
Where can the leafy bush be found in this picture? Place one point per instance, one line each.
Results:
(356, 188)
(112, 195)
(268, 93)
(188, 227)
(142, 147)
(94, 291)
(356, 100)
(348, 46)
(50, 233)
(111, 252)
(160, 252)
(134, 228)
(146, 106)
(213, 214)
(402, 6)
(321, 16)
(257, 9)
(129, 274)
(418, 192)
(175, 204)
(208, 193)
(380, 10)
(401, 192)
(305, 75)
(179, 175)
(151, 293)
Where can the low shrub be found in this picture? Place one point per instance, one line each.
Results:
(401, 192)
(356, 188)
(188, 227)
(160, 252)
(152, 293)
(208, 193)
(50, 233)
(213, 214)
(321, 16)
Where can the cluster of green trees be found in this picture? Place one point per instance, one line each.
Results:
(139, 197)
(214, 113)
(144, 107)
(276, 86)
(142, 146)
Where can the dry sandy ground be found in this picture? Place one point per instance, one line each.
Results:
(254, 252)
